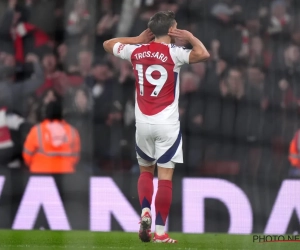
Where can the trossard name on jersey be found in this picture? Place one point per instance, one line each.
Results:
(149, 54)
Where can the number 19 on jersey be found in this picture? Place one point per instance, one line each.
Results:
(147, 75)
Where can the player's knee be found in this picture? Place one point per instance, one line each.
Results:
(149, 169)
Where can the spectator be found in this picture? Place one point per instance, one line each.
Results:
(67, 58)
(62, 51)
(290, 62)
(13, 128)
(85, 61)
(199, 69)
(58, 80)
(13, 94)
(253, 25)
(127, 89)
(279, 20)
(108, 115)
(224, 118)
(233, 41)
(258, 55)
(286, 75)
(233, 84)
(215, 70)
(258, 99)
(116, 62)
(50, 95)
(141, 20)
(50, 68)
(170, 5)
(259, 127)
(295, 31)
(24, 36)
(9, 19)
(105, 29)
(79, 113)
(52, 146)
(79, 21)
(191, 117)
(32, 105)
(255, 87)
(45, 14)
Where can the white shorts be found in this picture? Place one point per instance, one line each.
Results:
(158, 143)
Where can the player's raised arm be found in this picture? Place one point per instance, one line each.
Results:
(199, 53)
(145, 37)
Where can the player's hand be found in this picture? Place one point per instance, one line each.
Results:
(146, 36)
(182, 35)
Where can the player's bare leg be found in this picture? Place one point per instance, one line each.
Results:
(163, 201)
(145, 191)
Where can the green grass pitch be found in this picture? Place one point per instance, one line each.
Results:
(73, 240)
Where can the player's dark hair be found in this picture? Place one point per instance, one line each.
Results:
(161, 22)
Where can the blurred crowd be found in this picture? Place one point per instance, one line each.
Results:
(239, 110)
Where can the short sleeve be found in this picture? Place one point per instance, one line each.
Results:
(124, 51)
(181, 55)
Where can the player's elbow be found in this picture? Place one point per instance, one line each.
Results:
(200, 56)
(203, 56)
(106, 45)
(109, 46)
(206, 56)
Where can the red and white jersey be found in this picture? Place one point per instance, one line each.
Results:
(156, 67)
